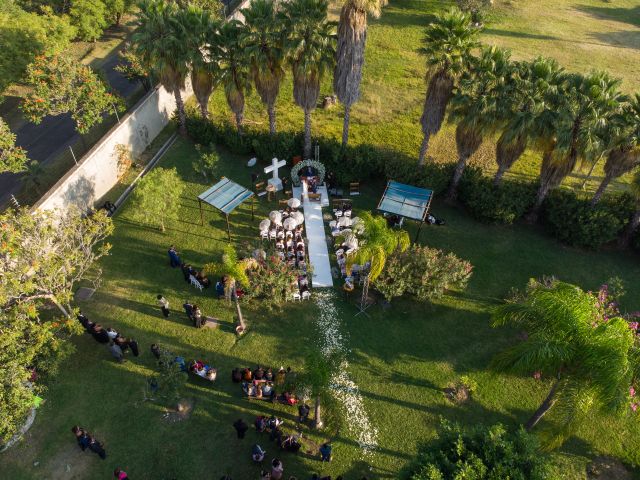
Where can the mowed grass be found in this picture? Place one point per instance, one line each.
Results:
(401, 358)
(581, 34)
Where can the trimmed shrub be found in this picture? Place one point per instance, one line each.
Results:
(505, 203)
(574, 221)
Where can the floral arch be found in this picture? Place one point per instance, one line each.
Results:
(295, 178)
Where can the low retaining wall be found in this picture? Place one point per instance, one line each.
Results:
(97, 171)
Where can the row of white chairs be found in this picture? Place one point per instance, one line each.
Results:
(306, 295)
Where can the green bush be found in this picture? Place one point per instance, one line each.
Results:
(478, 453)
(574, 221)
(505, 203)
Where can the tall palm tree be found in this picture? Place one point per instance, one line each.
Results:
(263, 40)
(310, 43)
(591, 358)
(198, 26)
(448, 43)
(226, 49)
(525, 105)
(352, 36)
(161, 44)
(631, 228)
(583, 112)
(625, 154)
(475, 105)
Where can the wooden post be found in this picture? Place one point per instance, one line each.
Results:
(418, 232)
(228, 228)
(201, 217)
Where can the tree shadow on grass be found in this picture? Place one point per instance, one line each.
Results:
(622, 38)
(619, 14)
(407, 13)
(508, 33)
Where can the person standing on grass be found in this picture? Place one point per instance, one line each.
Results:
(116, 352)
(120, 474)
(174, 259)
(277, 469)
(133, 345)
(325, 452)
(163, 303)
(241, 428)
(303, 413)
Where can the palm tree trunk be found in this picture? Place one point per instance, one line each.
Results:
(204, 110)
(345, 125)
(497, 180)
(423, 149)
(543, 191)
(182, 120)
(306, 153)
(544, 407)
(603, 186)
(457, 175)
(271, 109)
(317, 421)
(625, 239)
(239, 121)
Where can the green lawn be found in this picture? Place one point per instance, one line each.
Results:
(400, 358)
(580, 34)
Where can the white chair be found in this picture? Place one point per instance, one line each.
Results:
(347, 214)
(264, 235)
(272, 234)
(340, 252)
(296, 296)
(280, 234)
(306, 295)
(338, 213)
(194, 281)
(332, 224)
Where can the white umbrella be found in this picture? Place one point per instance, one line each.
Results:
(276, 217)
(293, 202)
(290, 223)
(344, 221)
(265, 224)
(298, 217)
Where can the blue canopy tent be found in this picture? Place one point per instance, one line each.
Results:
(406, 201)
(225, 196)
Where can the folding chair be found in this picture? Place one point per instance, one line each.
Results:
(306, 295)
(194, 281)
(260, 189)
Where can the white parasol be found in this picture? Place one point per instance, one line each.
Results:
(293, 202)
(344, 221)
(276, 217)
(298, 216)
(265, 224)
(290, 223)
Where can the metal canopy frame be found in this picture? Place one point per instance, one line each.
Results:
(225, 196)
(406, 201)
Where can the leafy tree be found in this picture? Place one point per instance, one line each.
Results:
(157, 195)
(476, 104)
(448, 43)
(582, 114)
(43, 257)
(571, 337)
(310, 43)
(171, 377)
(524, 108)
(116, 9)
(12, 157)
(318, 370)
(233, 67)
(352, 36)
(25, 35)
(61, 85)
(206, 164)
(263, 40)
(230, 266)
(132, 68)
(477, 453)
(161, 43)
(90, 17)
(625, 154)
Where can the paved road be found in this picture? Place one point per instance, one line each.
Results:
(45, 141)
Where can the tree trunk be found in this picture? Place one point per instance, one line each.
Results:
(601, 188)
(240, 317)
(204, 110)
(497, 180)
(60, 307)
(593, 167)
(118, 18)
(345, 125)
(457, 175)
(544, 407)
(239, 121)
(423, 149)
(271, 109)
(317, 421)
(182, 121)
(306, 153)
(625, 239)
(543, 191)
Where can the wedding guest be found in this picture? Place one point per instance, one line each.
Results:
(277, 469)
(163, 303)
(116, 352)
(258, 453)
(241, 428)
(120, 474)
(134, 347)
(174, 259)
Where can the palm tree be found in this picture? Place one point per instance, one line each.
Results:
(525, 105)
(198, 27)
(625, 154)
(263, 40)
(161, 44)
(475, 105)
(377, 242)
(352, 36)
(310, 44)
(628, 233)
(317, 377)
(447, 45)
(582, 113)
(226, 50)
(590, 357)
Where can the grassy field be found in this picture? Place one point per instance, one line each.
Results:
(400, 358)
(580, 34)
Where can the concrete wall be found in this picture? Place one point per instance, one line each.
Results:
(237, 14)
(97, 171)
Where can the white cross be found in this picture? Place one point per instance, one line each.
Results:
(275, 165)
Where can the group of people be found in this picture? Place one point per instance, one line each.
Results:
(87, 441)
(198, 367)
(187, 270)
(262, 383)
(117, 343)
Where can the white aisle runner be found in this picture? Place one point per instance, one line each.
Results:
(317, 243)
